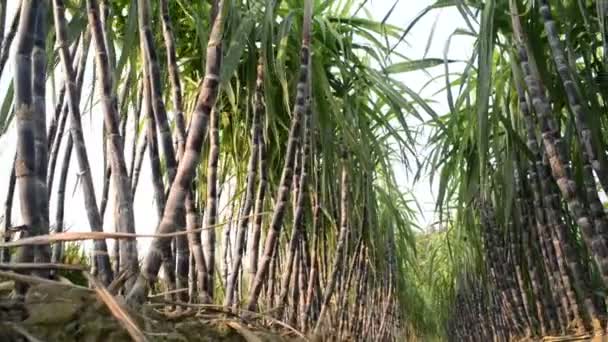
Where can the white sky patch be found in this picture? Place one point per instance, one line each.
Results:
(427, 39)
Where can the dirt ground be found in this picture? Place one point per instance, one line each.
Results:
(64, 313)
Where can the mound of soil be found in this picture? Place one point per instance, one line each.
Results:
(65, 313)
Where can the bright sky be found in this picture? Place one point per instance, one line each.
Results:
(436, 27)
(145, 215)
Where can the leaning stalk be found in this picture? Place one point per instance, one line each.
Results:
(63, 114)
(153, 71)
(187, 166)
(153, 154)
(100, 252)
(181, 241)
(76, 49)
(126, 223)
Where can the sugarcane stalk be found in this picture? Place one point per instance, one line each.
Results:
(137, 113)
(598, 162)
(107, 175)
(313, 278)
(295, 295)
(157, 182)
(340, 252)
(42, 253)
(25, 163)
(271, 282)
(499, 273)
(254, 240)
(181, 241)
(138, 163)
(193, 222)
(57, 256)
(209, 234)
(153, 154)
(76, 49)
(176, 87)
(5, 255)
(153, 71)
(515, 261)
(187, 166)
(302, 282)
(361, 275)
(62, 113)
(105, 190)
(3, 10)
(286, 174)
(252, 167)
(298, 225)
(565, 257)
(123, 105)
(557, 291)
(227, 245)
(124, 203)
(104, 12)
(343, 296)
(153, 74)
(7, 40)
(100, 251)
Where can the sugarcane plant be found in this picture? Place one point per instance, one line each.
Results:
(264, 120)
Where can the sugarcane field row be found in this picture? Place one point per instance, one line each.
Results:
(304, 170)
